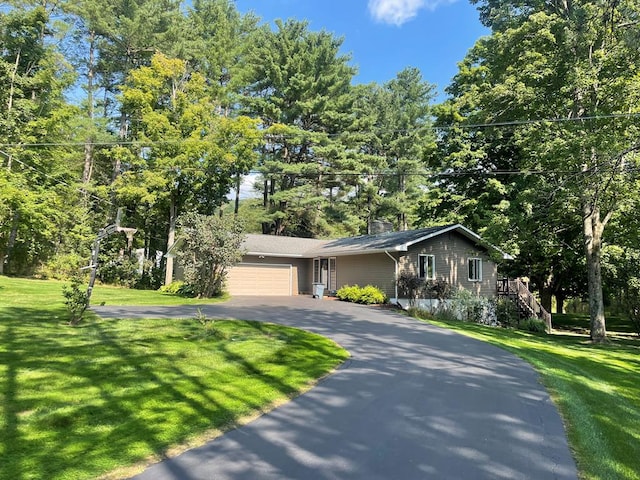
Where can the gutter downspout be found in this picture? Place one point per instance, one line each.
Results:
(395, 282)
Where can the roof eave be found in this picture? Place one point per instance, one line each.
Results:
(344, 253)
(467, 233)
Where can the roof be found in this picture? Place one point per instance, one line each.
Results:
(279, 246)
(276, 246)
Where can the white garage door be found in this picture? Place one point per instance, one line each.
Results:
(259, 279)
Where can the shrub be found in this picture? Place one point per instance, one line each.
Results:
(76, 299)
(178, 288)
(534, 325)
(348, 293)
(439, 289)
(410, 286)
(419, 313)
(152, 276)
(370, 295)
(471, 308)
(506, 313)
(124, 271)
(61, 267)
(367, 295)
(211, 246)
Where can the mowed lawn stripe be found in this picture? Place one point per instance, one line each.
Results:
(79, 402)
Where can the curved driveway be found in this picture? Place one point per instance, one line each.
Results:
(413, 402)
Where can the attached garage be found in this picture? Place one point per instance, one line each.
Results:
(260, 279)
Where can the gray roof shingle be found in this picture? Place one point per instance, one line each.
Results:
(388, 241)
(276, 246)
(280, 246)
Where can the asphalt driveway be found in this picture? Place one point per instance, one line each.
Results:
(413, 402)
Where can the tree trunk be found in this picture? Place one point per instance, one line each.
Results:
(560, 297)
(14, 73)
(88, 146)
(545, 298)
(13, 235)
(265, 194)
(123, 132)
(237, 202)
(593, 228)
(369, 214)
(168, 276)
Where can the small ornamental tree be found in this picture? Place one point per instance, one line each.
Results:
(76, 299)
(211, 246)
(411, 286)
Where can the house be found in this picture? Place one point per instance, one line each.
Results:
(275, 265)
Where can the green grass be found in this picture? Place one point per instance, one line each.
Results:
(23, 291)
(580, 322)
(596, 387)
(78, 402)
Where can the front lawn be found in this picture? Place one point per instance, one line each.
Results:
(24, 290)
(596, 387)
(78, 402)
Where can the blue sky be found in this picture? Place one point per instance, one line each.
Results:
(385, 36)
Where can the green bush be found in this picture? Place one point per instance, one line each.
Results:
(348, 293)
(370, 295)
(178, 288)
(506, 313)
(124, 272)
(471, 308)
(61, 267)
(367, 295)
(534, 325)
(76, 299)
(419, 313)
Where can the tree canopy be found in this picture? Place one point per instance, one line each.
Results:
(163, 107)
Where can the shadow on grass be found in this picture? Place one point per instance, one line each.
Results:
(81, 400)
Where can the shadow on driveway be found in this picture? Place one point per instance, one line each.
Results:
(414, 401)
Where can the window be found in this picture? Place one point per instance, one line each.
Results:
(427, 267)
(475, 269)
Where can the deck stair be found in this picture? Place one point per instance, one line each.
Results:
(527, 305)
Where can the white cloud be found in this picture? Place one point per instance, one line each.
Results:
(397, 12)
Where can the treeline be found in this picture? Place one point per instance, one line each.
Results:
(162, 107)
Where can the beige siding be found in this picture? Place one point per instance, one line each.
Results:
(452, 252)
(301, 270)
(374, 269)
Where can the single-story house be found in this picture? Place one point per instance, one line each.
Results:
(275, 265)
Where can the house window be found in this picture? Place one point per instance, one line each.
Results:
(475, 269)
(427, 267)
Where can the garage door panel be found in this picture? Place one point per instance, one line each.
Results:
(259, 279)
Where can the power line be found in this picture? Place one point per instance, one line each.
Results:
(302, 134)
(59, 181)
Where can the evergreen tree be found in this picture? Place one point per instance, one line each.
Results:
(300, 88)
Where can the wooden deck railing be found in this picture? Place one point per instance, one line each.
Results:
(527, 304)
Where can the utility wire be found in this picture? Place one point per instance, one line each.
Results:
(305, 133)
(59, 181)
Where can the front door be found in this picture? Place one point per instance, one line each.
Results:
(324, 272)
